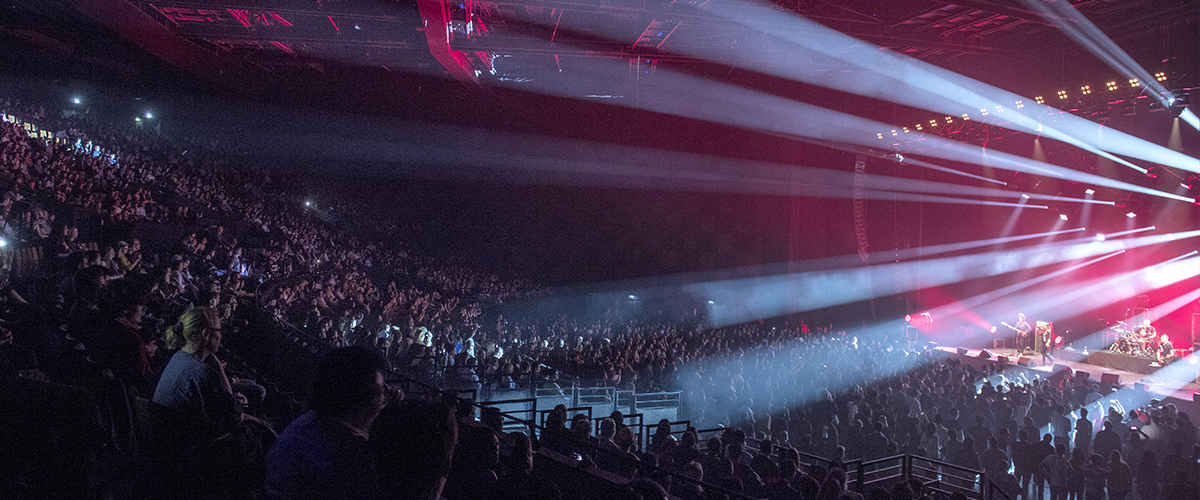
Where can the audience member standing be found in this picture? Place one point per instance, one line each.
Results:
(1057, 470)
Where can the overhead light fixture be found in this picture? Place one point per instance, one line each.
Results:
(1112, 85)
(1160, 76)
(1131, 215)
(1025, 196)
(1134, 83)
(1039, 100)
(1062, 94)
(1089, 191)
(1086, 89)
(1100, 237)
(1062, 216)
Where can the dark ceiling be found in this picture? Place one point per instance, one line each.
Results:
(336, 45)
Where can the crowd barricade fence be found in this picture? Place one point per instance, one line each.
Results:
(949, 478)
(658, 405)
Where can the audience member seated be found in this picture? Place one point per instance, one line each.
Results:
(194, 383)
(324, 454)
(413, 444)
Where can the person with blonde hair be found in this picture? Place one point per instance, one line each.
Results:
(194, 383)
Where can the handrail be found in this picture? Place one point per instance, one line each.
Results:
(993, 488)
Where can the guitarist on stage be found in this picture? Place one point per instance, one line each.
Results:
(1024, 340)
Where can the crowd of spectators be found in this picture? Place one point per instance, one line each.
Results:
(110, 323)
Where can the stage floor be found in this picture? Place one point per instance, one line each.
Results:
(1077, 362)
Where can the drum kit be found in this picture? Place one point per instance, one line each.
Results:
(1134, 341)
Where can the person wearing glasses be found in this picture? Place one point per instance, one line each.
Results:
(194, 383)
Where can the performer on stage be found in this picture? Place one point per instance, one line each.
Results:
(1024, 339)
(1147, 332)
(1166, 351)
(1045, 342)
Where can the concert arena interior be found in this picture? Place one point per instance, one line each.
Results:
(591, 250)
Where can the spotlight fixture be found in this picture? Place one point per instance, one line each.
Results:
(308, 203)
(76, 100)
(1062, 94)
(949, 120)
(1039, 100)
(966, 117)
(1086, 89)
(893, 132)
(879, 136)
(983, 112)
(918, 126)
(633, 297)
(932, 123)
(1062, 216)
(1160, 76)
(905, 129)
(1112, 85)
(1020, 104)
(148, 116)
(1134, 83)
(1131, 215)
(993, 330)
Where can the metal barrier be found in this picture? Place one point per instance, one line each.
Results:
(571, 412)
(512, 422)
(603, 399)
(549, 395)
(676, 428)
(658, 405)
(636, 427)
(627, 401)
(883, 471)
(948, 478)
(994, 492)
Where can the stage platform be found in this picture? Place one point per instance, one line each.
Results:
(1079, 362)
